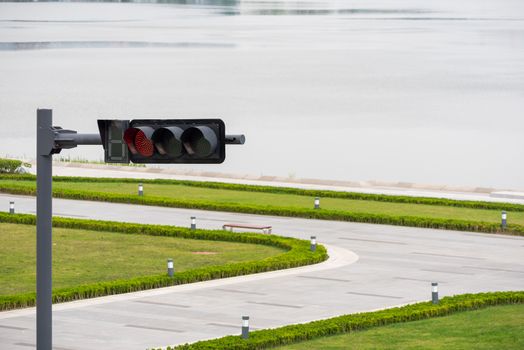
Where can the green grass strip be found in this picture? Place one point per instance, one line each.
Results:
(492, 328)
(297, 254)
(289, 190)
(270, 338)
(322, 214)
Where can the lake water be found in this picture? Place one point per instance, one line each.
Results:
(416, 91)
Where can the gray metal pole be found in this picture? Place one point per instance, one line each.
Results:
(235, 139)
(71, 139)
(504, 219)
(44, 168)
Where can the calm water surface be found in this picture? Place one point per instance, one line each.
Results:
(420, 91)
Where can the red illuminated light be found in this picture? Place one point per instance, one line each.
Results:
(137, 142)
(143, 145)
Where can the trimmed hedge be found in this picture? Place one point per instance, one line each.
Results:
(10, 166)
(298, 254)
(269, 338)
(322, 214)
(293, 191)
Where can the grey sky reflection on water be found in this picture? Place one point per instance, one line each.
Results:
(402, 90)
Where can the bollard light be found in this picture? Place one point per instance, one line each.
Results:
(170, 268)
(140, 189)
(434, 292)
(317, 203)
(11, 207)
(245, 327)
(504, 219)
(313, 243)
(193, 222)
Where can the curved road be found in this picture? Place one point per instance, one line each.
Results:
(395, 265)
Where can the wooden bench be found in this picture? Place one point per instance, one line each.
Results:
(264, 228)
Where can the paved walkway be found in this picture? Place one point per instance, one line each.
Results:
(395, 266)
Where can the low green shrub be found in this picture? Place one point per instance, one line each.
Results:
(298, 254)
(268, 338)
(11, 166)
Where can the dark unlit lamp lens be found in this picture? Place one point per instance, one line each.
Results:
(199, 141)
(167, 141)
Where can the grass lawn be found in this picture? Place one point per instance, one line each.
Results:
(82, 257)
(189, 193)
(500, 327)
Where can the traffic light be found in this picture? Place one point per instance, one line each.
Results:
(200, 141)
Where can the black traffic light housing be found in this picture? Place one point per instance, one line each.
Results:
(161, 141)
(112, 137)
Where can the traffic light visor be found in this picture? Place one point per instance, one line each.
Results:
(199, 141)
(167, 141)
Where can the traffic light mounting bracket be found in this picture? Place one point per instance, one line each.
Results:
(51, 140)
(54, 139)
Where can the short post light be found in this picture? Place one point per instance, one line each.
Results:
(11, 207)
(193, 222)
(245, 327)
(317, 203)
(504, 219)
(170, 268)
(140, 189)
(313, 243)
(434, 292)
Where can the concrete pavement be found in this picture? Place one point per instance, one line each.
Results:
(396, 265)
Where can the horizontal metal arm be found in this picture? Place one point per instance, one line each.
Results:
(79, 139)
(235, 139)
(69, 139)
